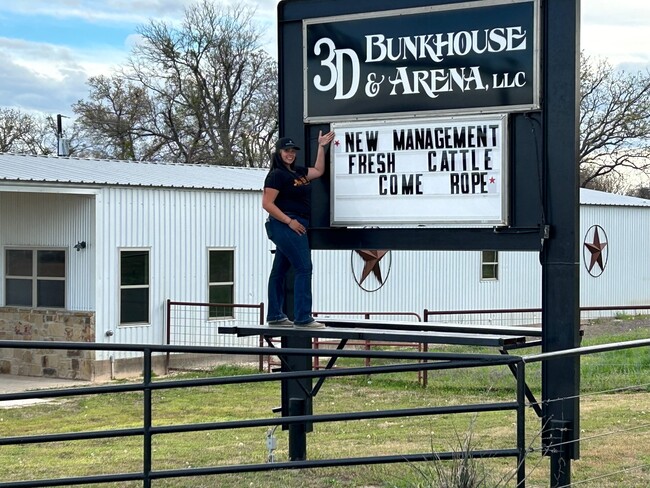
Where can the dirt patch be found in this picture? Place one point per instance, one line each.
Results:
(610, 326)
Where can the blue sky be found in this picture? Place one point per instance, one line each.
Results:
(49, 48)
(65, 31)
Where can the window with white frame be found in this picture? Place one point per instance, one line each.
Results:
(35, 278)
(134, 286)
(221, 284)
(489, 265)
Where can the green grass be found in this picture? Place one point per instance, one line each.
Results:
(602, 452)
(626, 316)
(615, 369)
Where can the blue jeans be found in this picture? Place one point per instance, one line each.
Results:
(291, 250)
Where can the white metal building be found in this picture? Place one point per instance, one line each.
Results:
(447, 281)
(144, 233)
(94, 249)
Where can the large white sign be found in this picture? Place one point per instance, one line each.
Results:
(437, 171)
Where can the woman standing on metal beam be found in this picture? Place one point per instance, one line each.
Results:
(286, 198)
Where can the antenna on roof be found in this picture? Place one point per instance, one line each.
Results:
(62, 146)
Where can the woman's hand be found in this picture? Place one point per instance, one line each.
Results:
(297, 227)
(319, 165)
(325, 139)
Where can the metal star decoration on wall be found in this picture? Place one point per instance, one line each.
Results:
(595, 250)
(371, 260)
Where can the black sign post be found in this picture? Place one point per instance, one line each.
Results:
(345, 63)
(560, 257)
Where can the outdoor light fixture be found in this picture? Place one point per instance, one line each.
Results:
(80, 245)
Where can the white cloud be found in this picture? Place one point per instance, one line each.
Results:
(46, 77)
(50, 78)
(616, 30)
(597, 41)
(53, 77)
(129, 11)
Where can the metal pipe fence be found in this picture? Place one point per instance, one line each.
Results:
(149, 428)
(521, 316)
(197, 324)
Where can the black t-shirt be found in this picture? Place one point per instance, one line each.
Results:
(293, 188)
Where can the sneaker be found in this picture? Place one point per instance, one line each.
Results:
(310, 325)
(280, 323)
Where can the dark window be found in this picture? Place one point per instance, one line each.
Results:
(19, 292)
(50, 293)
(221, 283)
(50, 264)
(20, 262)
(489, 265)
(134, 287)
(35, 278)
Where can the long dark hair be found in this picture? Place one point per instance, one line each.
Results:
(276, 161)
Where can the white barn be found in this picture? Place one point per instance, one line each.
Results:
(93, 250)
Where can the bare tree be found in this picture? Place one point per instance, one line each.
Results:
(612, 182)
(115, 120)
(214, 90)
(260, 126)
(201, 92)
(17, 130)
(614, 123)
(30, 134)
(641, 192)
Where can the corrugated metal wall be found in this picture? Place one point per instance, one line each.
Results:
(54, 220)
(435, 280)
(440, 280)
(626, 279)
(178, 227)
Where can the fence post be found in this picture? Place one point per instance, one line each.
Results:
(297, 431)
(261, 343)
(296, 395)
(560, 461)
(521, 423)
(146, 441)
(168, 334)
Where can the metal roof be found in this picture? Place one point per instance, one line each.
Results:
(594, 197)
(54, 170)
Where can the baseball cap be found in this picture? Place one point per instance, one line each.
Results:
(286, 143)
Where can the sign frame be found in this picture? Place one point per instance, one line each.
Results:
(411, 215)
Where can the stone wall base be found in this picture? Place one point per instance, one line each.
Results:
(22, 324)
(25, 324)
